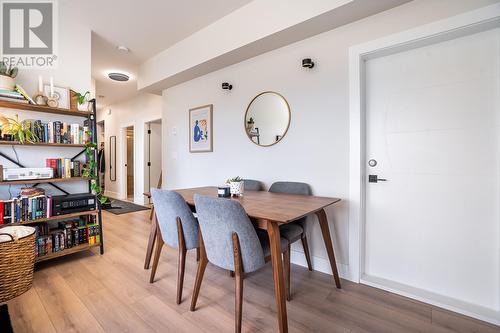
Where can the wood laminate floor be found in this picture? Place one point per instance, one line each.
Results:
(86, 292)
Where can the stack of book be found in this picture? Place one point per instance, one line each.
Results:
(64, 167)
(68, 234)
(59, 132)
(12, 96)
(31, 204)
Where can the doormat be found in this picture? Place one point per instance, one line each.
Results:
(5, 325)
(119, 207)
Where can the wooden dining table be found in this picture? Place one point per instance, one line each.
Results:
(267, 211)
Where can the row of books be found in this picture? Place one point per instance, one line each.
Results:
(64, 167)
(68, 234)
(31, 204)
(60, 132)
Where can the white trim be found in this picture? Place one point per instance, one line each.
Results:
(481, 19)
(319, 264)
(453, 304)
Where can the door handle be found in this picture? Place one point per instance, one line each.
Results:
(375, 179)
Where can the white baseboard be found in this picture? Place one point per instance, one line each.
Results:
(320, 264)
(445, 302)
(112, 194)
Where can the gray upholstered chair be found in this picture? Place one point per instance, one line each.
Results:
(253, 185)
(295, 230)
(178, 228)
(229, 240)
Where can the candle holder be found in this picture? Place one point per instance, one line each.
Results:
(52, 102)
(40, 98)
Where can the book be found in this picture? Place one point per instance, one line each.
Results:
(20, 90)
(14, 100)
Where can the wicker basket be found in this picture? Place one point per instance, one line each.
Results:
(17, 258)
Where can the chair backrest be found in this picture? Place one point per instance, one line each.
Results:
(168, 206)
(219, 218)
(252, 185)
(291, 188)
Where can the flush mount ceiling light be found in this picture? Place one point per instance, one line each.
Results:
(123, 49)
(115, 76)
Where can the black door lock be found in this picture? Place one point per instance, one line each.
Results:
(375, 179)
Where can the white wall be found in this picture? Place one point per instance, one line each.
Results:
(316, 148)
(73, 71)
(134, 112)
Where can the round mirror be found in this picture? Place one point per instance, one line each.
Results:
(267, 118)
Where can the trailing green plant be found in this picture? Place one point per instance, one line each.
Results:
(9, 70)
(82, 98)
(89, 172)
(236, 179)
(20, 130)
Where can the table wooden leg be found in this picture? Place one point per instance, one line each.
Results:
(273, 231)
(151, 241)
(325, 230)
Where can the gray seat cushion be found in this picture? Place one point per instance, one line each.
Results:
(264, 241)
(291, 231)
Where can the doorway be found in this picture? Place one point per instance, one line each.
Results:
(153, 156)
(130, 162)
(425, 161)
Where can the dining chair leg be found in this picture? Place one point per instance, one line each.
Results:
(286, 268)
(159, 246)
(197, 254)
(202, 265)
(182, 260)
(325, 230)
(151, 241)
(238, 283)
(303, 238)
(151, 212)
(231, 274)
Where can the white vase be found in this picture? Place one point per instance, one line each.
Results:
(7, 83)
(84, 107)
(236, 188)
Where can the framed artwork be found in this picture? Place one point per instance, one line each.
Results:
(61, 95)
(200, 129)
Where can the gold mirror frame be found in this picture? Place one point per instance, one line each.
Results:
(287, 126)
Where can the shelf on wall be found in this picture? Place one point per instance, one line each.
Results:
(59, 217)
(17, 143)
(67, 251)
(44, 109)
(44, 181)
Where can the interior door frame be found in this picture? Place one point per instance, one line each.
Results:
(123, 155)
(475, 21)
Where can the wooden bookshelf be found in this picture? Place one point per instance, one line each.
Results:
(17, 143)
(67, 251)
(59, 217)
(44, 181)
(91, 116)
(44, 109)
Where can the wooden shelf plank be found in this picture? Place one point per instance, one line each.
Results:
(59, 217)
(43, 181)
(44, 109)
(17, 143)
(65, 252)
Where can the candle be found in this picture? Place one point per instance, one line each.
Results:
(51, 86)
(40, 83)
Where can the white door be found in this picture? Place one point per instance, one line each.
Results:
(433, 116)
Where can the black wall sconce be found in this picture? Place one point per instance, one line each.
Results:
(307, 63)
(227, 86)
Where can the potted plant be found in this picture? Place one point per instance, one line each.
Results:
(19, 130)
(89, 172)
(7, 76)
(236, 186)
(83, 101)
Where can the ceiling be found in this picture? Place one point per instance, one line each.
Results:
(146, 27)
